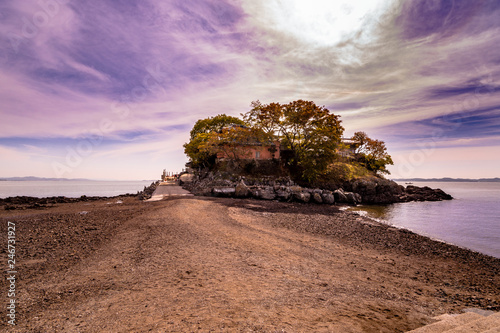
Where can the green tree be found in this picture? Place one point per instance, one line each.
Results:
(214, 124)
(372, 153)
(199, 149)
(311, 132)
(233, 142)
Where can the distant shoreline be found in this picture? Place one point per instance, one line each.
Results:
(450, 180)
(24, 179)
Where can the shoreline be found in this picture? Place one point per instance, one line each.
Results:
(388, 223)
(40, 203)
(357, 270)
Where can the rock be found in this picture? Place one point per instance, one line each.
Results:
(328, 197)
(283, 193)
(241, 190)
(316, 197)
(223, 191)
(302, 196)
(340, 196)
(415, 193)
(374, 190)
(353, 198)
(266, 193)
(186, 178)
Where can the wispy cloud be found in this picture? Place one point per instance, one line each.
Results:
(136, 74)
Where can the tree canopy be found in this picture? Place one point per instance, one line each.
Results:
(214, 124)
(200, 147)
(309, 136)
(312, 133)
(372, 153)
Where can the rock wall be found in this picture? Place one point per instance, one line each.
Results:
(369, 190)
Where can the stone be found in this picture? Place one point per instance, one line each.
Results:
(351, 198)
(316, 197)
(328, 197)
(241, 190)
(302, 196)
(223, 191)
(283, 193)
(266, 193)
(340, 196)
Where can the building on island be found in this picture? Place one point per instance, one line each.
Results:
(240, 143)
(237, 143)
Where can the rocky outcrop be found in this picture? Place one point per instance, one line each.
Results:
(415, 193)
(375, 190)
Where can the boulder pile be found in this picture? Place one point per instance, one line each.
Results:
(287, 193)
(368, 190)
(273, 191)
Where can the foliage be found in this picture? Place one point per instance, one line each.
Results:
(199, 148)
(233, 142)
(310, 135)
(372, 153)
(214, 124)
(338, 173)
(311, 132)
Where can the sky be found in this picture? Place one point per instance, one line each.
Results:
(110, 89)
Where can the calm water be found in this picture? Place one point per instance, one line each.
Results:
(472, 220)
(72, 189)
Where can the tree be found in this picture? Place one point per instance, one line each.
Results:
(199, 148)
(372, 153)
(311, 132)
(233, 142)
(214, 124)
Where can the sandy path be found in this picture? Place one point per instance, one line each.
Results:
(196, 265)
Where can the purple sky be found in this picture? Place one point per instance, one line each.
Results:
(110, 89)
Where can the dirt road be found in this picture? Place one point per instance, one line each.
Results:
(191, 264)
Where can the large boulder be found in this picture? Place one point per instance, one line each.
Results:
(316, 197)
(283, 193)
(186, 178)
(353, 198)
(374, 190)
(266, 193)
(241, 190)
(327, 197)
(302, 196)
(223, 191)
(340, 196)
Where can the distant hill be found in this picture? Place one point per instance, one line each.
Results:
(31, 178)
(446, 179)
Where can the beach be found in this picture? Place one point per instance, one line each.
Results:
(221, 264)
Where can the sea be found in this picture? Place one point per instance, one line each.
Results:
(471, 220)
(70, 188)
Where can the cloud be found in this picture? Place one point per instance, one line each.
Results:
(137, 73)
